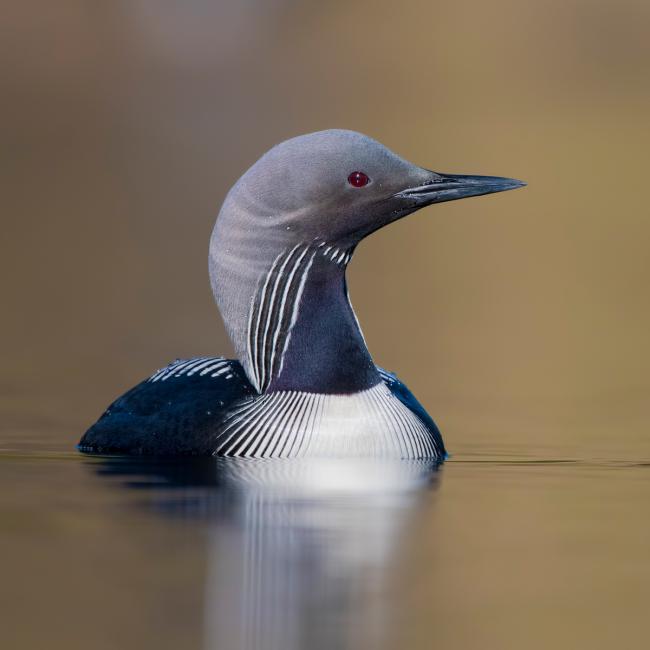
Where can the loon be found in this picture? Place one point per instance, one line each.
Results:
(303, 383)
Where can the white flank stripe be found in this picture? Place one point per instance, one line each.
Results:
(189, 366)
(203, 365)
(176, 369)
(156, 375)
(212, 367)
(167, 369)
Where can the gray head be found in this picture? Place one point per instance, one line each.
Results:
(338, 186)
(326, 189)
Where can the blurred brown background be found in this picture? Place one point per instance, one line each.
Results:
(520, 320)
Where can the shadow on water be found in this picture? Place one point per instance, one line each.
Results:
(300, 552)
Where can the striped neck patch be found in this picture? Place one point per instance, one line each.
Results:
(275, 306)
(274, 311)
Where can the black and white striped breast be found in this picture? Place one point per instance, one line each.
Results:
(294, 424)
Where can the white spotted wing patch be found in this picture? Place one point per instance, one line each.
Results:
(292, 424)
(201, 366)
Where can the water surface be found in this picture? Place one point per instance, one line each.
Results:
(490, 551)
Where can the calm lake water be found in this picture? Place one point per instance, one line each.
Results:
(491, 551)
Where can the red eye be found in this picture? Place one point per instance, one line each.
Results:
(358, 179)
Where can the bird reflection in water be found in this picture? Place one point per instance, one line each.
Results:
(300, 551)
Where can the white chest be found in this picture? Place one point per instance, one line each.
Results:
(371, 423)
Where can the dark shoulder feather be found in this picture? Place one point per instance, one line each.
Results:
(177, 411)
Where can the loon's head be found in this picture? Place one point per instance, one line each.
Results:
(283, 238)
(339, 186)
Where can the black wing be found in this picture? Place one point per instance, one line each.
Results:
(177, 411)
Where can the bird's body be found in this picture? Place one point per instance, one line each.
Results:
(304, 383)
(207, 406)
